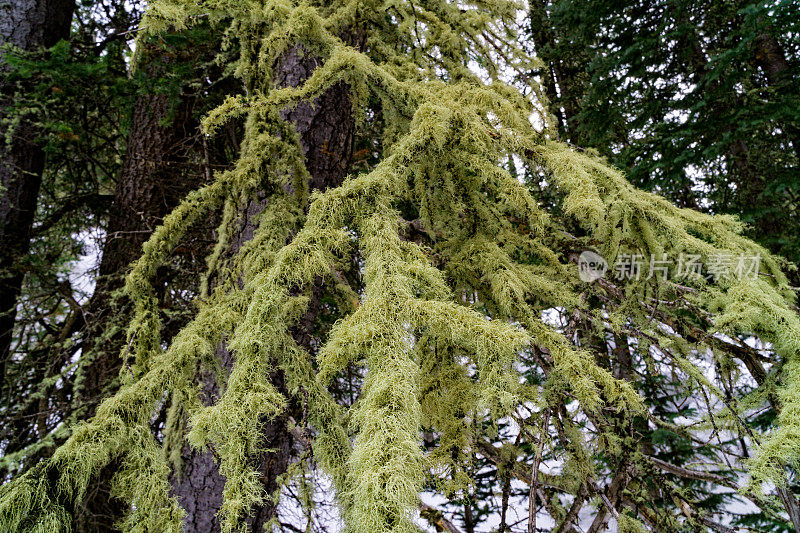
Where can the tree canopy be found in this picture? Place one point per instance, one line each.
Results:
(426, 315)
(698, 102)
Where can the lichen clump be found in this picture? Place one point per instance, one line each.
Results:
(438, 324)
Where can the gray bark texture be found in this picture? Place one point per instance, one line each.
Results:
(28, 25)
(326, 131)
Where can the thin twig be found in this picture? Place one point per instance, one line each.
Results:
(535, 473)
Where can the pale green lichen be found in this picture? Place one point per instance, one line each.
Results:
(450, 316)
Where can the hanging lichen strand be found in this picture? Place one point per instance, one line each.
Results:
(440, 320)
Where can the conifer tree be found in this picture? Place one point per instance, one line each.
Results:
(26, 26)
(75, 98)
(165, 158)
(66, 355)
(427, 281)
(699, 102)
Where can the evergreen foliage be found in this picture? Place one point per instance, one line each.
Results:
(697, 101)
(77, 95)
(81, 97)
(440, 268)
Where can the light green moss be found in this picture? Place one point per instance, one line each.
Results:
(438, 328)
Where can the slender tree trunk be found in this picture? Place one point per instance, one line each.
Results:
(769, 55)
(562, 78)
(326, 131)
(28, 25)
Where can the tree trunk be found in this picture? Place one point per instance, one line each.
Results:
(326, 131)
(560, 75)
(769, 55)
(154, 178)
(153, 181)
(28, 25)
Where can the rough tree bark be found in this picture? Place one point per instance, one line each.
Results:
(28, 25)
(326, 131)
(152, 182)
(154, 178)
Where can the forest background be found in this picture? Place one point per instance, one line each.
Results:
(696, 101)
